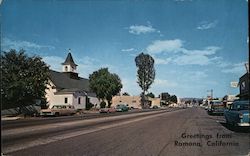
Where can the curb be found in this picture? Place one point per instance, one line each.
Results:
(10, 118)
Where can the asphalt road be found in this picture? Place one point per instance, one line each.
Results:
(179, 133)
(49, 120)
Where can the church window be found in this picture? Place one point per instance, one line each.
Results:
(79, 100)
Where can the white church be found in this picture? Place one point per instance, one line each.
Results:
(68, 88)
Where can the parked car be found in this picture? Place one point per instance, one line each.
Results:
(131, 108)
(217, 107)
(155, 107)
(121, 108)
(206, 107)
(107, 110)
(57, 110)
(238, 114)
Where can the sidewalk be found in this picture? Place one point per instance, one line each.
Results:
(89, 112)
(5, 118)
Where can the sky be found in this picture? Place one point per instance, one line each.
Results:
(197, 45)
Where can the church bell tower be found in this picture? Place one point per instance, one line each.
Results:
(69, 66)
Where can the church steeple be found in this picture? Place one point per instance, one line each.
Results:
(69, 64)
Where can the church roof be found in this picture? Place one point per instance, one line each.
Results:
(64, 83)
(69, 60)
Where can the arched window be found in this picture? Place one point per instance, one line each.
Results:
(66, 68)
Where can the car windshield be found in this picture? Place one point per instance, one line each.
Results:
(216, 103)
(57, 107)
(244, 105)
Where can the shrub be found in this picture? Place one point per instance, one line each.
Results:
(89, 105)
(103, 104)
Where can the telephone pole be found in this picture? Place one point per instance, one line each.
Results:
(211, 93)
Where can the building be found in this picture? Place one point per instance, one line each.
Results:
(155, 101)
(228, 100)
(131, 101)
(244, 84)
(244, 87)
(67, 87)
(135, 101)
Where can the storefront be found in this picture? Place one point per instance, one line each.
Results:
(244, 87)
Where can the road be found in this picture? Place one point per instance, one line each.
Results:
(46, 120)
(7, 124)
(179, 132)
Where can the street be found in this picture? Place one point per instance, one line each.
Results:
(48, 120)
(174, 132)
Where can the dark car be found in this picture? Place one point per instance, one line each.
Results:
(216, 107)
(155, 107)
(238, 114)
(121, 108)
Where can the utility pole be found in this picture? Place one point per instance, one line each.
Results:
(211, 93)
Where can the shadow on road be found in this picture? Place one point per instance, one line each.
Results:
(236, 129)
(215, 114)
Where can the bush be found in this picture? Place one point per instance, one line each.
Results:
(89, 105)
(103, 104)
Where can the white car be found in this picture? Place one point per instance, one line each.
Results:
(58, 110)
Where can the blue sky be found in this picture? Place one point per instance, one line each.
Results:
(197, 45)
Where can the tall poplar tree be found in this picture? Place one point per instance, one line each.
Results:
(145, 73)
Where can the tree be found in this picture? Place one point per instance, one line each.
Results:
(173, 98)
(200, 101)
(89, 105)
(103, 104)
(145, 73)
(115, 87)
(105, 84)
(165, 96)
(23, 80)
(150, 95)
(125, 94)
